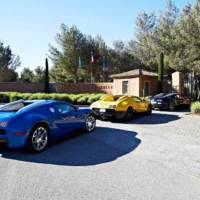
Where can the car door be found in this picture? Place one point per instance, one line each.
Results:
(66, 120)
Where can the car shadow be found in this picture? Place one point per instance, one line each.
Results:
(101, 146)
(155, 118)
(183, 109)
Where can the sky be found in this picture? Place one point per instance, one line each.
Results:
(29, 26)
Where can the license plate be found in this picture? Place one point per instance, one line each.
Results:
(102, 110)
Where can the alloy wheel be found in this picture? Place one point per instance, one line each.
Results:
(90, 123)
(39, 139)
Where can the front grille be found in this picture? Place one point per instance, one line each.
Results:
(110, 111)
(95, 109)
(107, 111)
(2, 132)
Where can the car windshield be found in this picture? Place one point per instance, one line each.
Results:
(14, 106)
(136, 99)
(170, 95)
(159, 95)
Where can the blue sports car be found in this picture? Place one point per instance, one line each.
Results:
(35, 124)
(169, 101)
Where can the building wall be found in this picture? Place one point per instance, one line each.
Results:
(153, 85)
(133, 86)
(117, 90)
(136, 86)
(57, 87)
(178, 82)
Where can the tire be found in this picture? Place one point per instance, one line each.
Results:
(172, 106)
(129, 114)
(38, 138)
(149, 110)
(90, 123)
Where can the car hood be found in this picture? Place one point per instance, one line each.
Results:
(4, 116)
(104, 104)
(156, 98)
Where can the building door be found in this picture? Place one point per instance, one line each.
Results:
(147, 88)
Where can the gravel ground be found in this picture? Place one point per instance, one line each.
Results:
(151, 158)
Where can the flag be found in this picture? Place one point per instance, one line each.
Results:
(105, 64)
(92, 57)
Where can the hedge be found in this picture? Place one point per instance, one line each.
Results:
(195, 107)
(77, 99)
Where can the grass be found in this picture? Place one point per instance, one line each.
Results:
(195, 107)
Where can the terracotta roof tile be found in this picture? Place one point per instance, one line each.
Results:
(134, 73)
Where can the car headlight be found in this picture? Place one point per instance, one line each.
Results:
(93, 105)
(3, 124)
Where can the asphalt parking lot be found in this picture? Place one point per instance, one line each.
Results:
(154, 157)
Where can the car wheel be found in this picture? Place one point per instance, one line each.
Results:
(172, 106)
(149, 110)
(38, 139)
(129, 114)
(90, 123)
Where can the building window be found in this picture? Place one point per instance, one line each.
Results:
(124, 87)
(147, 88)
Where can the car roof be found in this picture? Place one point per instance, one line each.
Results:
(38, 103)
(43, 102)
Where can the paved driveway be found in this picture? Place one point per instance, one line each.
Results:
(155, 157)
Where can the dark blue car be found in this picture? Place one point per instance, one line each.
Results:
(169, 101)
(34, 124)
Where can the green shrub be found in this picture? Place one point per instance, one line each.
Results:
(13, 97)
(94, 97)
(195, 107)
(61, 97)
(25, 96)
(81, 99)
(4, 97)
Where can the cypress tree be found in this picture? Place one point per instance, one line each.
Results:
(160, 73)
(47, 88)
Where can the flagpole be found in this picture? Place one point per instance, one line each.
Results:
(105, 69)
(91, 66)
(91, 71)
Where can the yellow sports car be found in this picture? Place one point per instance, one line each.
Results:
(120, 107)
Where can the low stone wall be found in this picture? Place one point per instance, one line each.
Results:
(21, 87)
(82, 88)
(57, 87)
